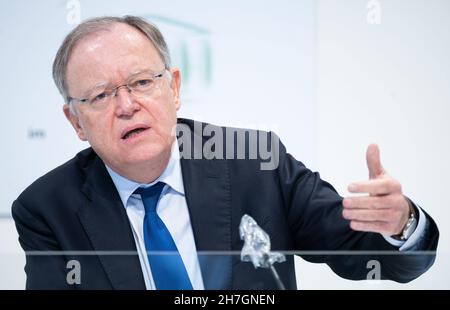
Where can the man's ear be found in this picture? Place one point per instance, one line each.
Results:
(175, 85)
(73, 119)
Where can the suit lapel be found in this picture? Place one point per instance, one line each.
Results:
(106, 224)
(208, 196)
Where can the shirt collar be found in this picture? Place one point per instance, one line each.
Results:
(171, 175)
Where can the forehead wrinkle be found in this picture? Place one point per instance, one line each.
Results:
(93, 46)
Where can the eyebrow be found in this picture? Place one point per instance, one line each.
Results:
(104, 84)
(93, 88)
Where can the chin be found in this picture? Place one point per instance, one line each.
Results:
(144, 153)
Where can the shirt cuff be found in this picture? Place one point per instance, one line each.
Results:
(413, 240)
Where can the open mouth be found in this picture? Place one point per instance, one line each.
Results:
(128, 134)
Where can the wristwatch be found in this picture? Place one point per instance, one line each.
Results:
(409, 227)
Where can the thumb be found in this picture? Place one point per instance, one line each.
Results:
(373, 161)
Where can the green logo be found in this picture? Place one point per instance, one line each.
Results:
(190, 49)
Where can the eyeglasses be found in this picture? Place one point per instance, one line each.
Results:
(140, 84)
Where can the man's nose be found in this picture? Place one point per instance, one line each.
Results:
(125, 103)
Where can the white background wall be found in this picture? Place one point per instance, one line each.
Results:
(390, 84)
(315, 71)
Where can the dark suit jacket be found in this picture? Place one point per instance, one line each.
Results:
(76, 208)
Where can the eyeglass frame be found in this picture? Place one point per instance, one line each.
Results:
(115, 89)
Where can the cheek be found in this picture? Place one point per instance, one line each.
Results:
(97, 128)
(164, 115)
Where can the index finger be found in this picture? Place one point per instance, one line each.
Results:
(373, 187)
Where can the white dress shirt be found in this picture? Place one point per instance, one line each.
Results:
(173, 211)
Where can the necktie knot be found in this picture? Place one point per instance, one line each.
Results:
(150, 196)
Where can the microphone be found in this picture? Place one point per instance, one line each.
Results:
(256, 248)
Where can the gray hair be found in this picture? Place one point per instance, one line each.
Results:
(94, 25)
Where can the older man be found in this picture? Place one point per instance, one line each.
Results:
(134, 214)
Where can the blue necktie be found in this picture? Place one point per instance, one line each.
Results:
(168, 270)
